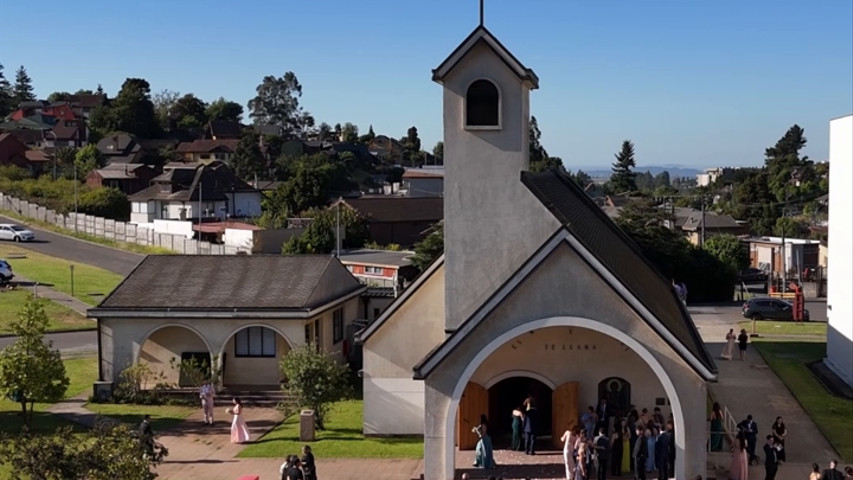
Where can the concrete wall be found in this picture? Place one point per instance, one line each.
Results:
(839, 302)
(393, 401)
(563, 291)
(124, 232)
(486, 208)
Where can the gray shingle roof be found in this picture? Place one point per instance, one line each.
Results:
(232, 282)
(619, 254)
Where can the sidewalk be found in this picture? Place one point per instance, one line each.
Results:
(750, 387)
(51, 294)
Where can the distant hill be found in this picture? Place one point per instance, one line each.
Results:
(675, 171)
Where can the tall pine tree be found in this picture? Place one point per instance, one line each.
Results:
(6, 95)
(23, 89)
(622, 179)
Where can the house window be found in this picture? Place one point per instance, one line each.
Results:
(317, 334)
(373, 270)
(338, 325)
(220, 156)
(254, 342)
(204, 156)
(482, 105)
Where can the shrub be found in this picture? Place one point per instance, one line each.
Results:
(315, 379)
(105, 202)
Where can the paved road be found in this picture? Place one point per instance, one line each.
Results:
(74, 250)
(70, 343)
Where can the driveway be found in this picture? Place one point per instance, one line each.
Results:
(80, 251)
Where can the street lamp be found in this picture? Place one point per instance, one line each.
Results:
(795, 179)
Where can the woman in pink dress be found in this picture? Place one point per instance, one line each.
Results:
(739, 469)
(239, 430)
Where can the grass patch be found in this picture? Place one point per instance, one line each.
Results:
(775, 327)
(130, 247)
(56, 272)
(81, 373)
(163, 417)
(61, 317)
(341, 439)
(833, 415)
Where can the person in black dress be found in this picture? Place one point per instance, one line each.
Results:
(779, 433)
(616, 450)
(308, 466)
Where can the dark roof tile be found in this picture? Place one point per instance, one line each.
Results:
(398, 209)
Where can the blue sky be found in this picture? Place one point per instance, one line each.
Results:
(695, 83)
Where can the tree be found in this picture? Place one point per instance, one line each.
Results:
(58, 97)
(221, 109)
(30, 370)
(321, 235)
(368, 137)
(622, 179)
(349, 133)
(539, 160)
(412, 146)
(729, 250)
(107, 452)
(132, 111)
(438, 152)
(22, 91)
(277, 103)
(189, 112)
(248, 160)
(324, 132)
(315, 379)
(788, 174)
(87, 159)
(7, 95)
(163, 102)
(105, 202)
(430, 248)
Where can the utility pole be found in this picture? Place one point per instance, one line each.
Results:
(702, 236)
(338, 230)
(199, 209)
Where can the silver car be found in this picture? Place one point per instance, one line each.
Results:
(17, 233)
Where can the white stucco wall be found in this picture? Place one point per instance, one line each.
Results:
(253, 370)
(485, 202)
(167, 344)
(239, 238)
(839, 302)
(393, 401)
(174, 227)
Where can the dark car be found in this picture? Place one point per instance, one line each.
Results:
(753, 275)
(770, 309)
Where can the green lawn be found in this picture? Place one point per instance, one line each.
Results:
(130, 247)
(61, 317)
(770, 327)
(56, 272)
(81, 373)
(833, 415)
(163, 417)
(341, 439)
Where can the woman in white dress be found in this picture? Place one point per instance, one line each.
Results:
(730, 345)
(239, 430)
(568, 440)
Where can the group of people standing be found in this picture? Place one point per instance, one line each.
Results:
(295, 468)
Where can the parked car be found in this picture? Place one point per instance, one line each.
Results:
(753, 275)
(10, 231)
(6, 274)
(770, 309)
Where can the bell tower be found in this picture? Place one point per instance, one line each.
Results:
(492, 223)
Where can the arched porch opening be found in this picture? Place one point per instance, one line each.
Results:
(510, 393)
(251, 356)
(165, 347)
(474, 367)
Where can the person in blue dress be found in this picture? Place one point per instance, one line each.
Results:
(483, 453)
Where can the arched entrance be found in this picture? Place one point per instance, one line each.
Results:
(524, 333)
(165, 347)
(509, 394)
(251, 356)
(617, 391)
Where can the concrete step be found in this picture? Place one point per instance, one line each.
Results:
(253, 398)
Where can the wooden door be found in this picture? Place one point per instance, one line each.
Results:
(474, 402)
(565, 414)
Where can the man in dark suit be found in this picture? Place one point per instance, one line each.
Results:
(530, 430)
(832, 473)
(603, 413)
(662, 447)
(771, 462)
(640, 454)
(750, 432)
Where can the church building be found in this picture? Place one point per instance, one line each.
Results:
(538, 293)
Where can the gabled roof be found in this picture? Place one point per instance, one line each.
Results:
(208, 146)
(179, 284)
(364, 334)
(398, 209)
(711, 220)
(224, 129)
(481, 34)
(215, 180)
(619, 255)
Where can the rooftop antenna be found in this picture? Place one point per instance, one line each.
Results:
(481, 13)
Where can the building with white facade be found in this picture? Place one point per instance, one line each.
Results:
(839, 301)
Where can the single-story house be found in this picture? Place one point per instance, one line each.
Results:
(244, 312)
(399, 220)
(127, 177)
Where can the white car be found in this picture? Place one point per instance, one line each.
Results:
(10, 231)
